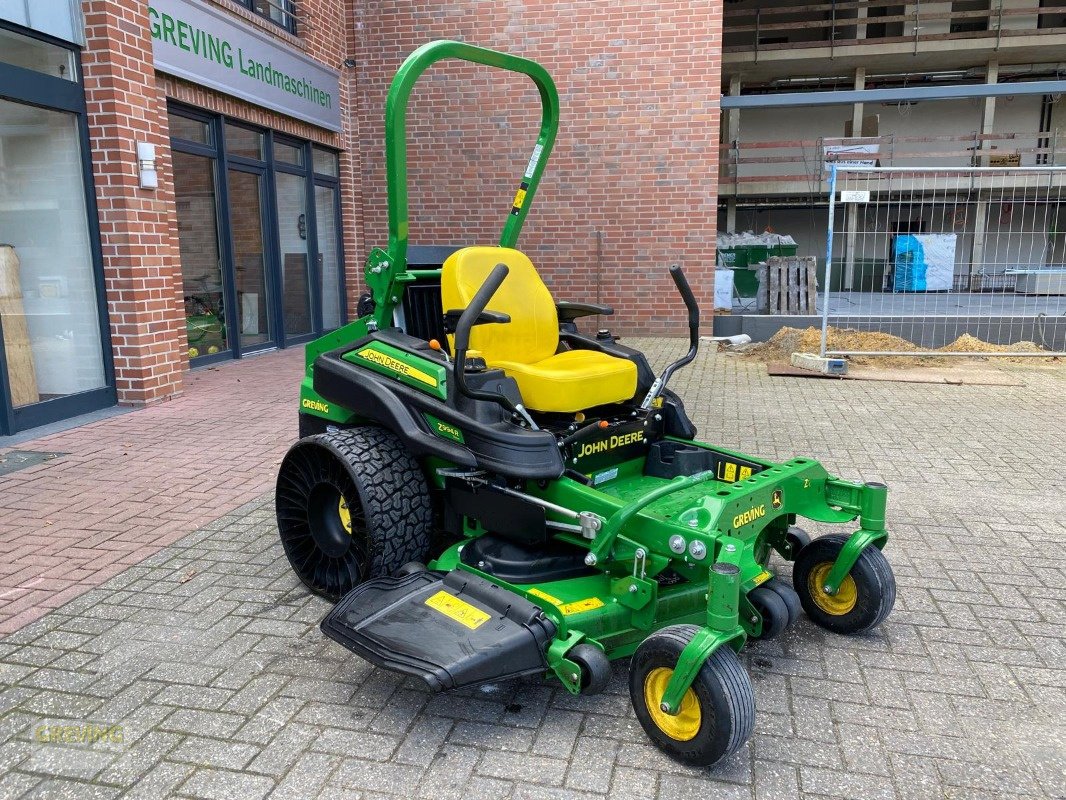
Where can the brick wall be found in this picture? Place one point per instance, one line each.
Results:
(630, 187)
(139, 228)
(141, 265)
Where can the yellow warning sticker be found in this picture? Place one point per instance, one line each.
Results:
(745, 472)
(730, 473)
(519, 198)
(580, 606)
(762, 578)
(546, 596)
(461, 611)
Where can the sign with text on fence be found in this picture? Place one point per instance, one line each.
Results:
(851, 155)
(855, 196)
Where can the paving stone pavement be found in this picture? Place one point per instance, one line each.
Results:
(208, 656)
(127, 486)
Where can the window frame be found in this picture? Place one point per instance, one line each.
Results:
(286, 7)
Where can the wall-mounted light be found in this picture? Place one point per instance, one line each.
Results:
(349, 63)
(146, 165)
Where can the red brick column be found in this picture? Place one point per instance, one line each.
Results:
(142, 268)
(632, 184)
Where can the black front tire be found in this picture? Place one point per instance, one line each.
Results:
(717, 714)
(773, 610)
(865, 596)
(351, 505)
(595, 668)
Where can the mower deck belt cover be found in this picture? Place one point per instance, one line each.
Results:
(451, 630)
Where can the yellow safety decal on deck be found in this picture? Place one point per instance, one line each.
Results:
(519, 198)
(730, 473)
(762, 578)
(459, 610)
(588, 604)
(745, 472)
(546, 596)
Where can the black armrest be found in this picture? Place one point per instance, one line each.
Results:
(568, 312)
(451, 318)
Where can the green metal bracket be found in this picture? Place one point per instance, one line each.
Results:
(872, 503)
(850, 553)
(640, 595)
(723, 624)
(601, 547)
(568, 672)
(396, 153)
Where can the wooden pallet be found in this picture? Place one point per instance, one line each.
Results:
(788, 285)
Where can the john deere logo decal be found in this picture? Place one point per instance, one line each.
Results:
(775, 498)
(394, 364)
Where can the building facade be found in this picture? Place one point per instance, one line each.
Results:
(188, 181)
(773, 172)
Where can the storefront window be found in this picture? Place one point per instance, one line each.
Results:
(201, 266)
(288, 154)
(191, 130)
(292, 241)
(49, 308)
(326, 162)
(22, 51)
(329, 262)
(244, 142)
(259, 234)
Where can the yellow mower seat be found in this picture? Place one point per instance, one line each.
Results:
(525, 348)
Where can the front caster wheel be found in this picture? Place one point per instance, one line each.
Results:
(865, 596)
(595, 668)
(773, 610)
(717, 713)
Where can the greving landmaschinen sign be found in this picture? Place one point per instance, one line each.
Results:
(196, 42)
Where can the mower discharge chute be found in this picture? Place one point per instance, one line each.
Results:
(517, 498)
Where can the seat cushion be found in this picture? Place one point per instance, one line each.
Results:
(573, 380)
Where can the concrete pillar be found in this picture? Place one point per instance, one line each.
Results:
(853, 208)
(732, 132)
(977, 251)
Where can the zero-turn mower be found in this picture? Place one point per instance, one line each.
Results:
(513, 497)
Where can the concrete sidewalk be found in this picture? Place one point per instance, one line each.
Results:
(127, 486)
(206, 665)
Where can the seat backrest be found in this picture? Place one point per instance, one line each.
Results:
(533, 333)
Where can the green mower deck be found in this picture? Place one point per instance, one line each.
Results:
(466, 538)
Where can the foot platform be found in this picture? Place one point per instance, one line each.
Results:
(450, 629)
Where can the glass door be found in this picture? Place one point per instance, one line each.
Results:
(293, 255)
(254, 322)
(330, 278)
(201, 258)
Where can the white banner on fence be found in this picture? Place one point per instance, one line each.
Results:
(851, 155)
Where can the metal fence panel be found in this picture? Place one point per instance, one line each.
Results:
(932, 255)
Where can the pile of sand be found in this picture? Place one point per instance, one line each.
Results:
(793, 340)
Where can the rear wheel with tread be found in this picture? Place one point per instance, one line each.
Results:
(351, 505)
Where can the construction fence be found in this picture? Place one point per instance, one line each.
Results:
(946, 259)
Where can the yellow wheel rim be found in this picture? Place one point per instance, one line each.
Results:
(345, 514)
(682, 727)
(837, 604)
